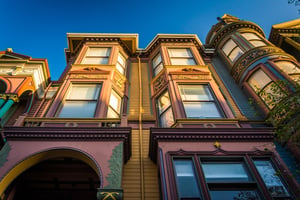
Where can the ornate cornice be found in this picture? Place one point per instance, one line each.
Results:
(207, 134)
(170, 40)
(82, 41)
(230, 28)
(250, 57)
(71, 134)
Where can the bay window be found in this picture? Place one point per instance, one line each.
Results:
(165, 112)
(80, 101)
(232, 50)
(181, 56)
(227, 178)
(198, 101)
(96, 55)
(157, 64)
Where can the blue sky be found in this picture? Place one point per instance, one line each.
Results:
(38, 28)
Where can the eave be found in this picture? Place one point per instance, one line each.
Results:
(71, 134)
(205, 135)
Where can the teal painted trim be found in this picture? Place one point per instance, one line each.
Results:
(4, 153)
(6, 107)
(115, 165)
(31, 101)
(1, 102)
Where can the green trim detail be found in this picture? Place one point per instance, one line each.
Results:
(4, 154)
(115, 165)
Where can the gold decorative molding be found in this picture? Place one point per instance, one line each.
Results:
(11, 96)
(89, 76)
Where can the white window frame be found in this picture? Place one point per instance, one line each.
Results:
(90, 55)
(81, 111)
(207, 99)
(233, 53)
(181, 60)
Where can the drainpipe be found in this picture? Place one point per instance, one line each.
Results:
(6, 107)
(141, 128)
(1, 102)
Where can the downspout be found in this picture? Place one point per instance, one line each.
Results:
(141, 128)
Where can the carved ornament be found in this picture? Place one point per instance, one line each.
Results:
(244, 62)
(160, 82)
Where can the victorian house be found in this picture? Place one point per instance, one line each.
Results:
(171, 121)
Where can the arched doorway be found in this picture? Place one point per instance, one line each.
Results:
(61, 178)
(60, 174)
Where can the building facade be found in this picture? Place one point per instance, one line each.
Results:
(171, 121)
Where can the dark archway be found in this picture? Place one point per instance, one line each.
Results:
(59, 178)
(3, 86)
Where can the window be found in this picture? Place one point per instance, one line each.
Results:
(198, 101)
(80, 101)
(121, 64)
(229, 179)
(232, 50)
(263, 85)
(165, 111)
(157, 64)
(181, 57)
(186, 181)
(253, 39)
(289, 68)
(96, 55)
(114, 107)
(270, 178)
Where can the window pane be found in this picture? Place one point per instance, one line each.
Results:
(195, 92)
(156, 60)
(251, 36)
(121, 59)
(272, 181)
(234, 195)
(167, 119)
(95, 61)
(158, 69)
(288, 67)
(75, 109)
(180, 53)
(201, 110)
(257, 43)
(235, 54)
(115, 101)
(89, 92)
(95, 51)
(227, 48)
(183, 61)
(259, 80)
(163, 102)
(186, 179)
(112, 114)
(225, 172)
(120, 68)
